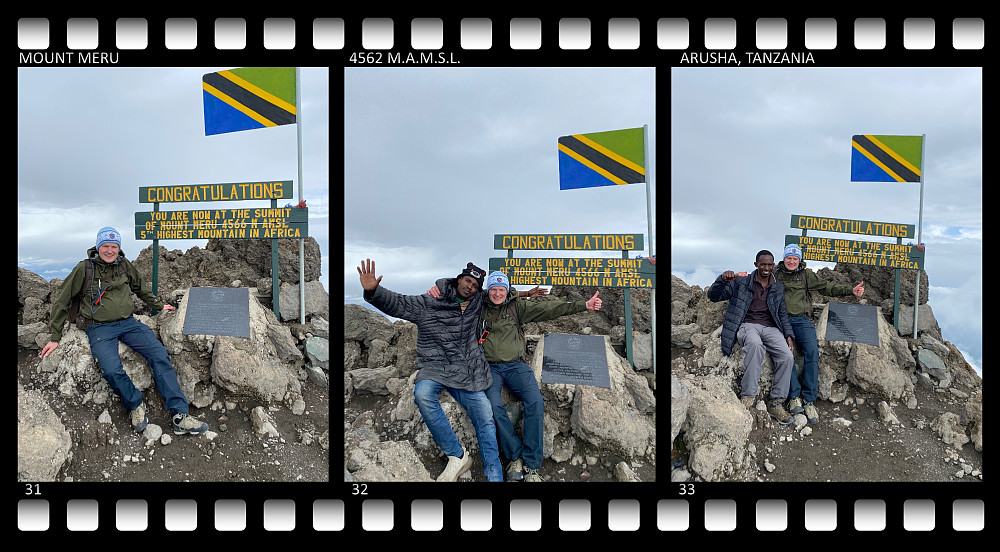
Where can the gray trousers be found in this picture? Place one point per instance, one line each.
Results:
(757, 340)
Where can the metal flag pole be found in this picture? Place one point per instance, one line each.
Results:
(649, 223)
(920, 227)
(302, 241)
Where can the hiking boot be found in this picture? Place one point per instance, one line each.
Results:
(456, 466)
(795, 406)
(515, 470)
(778, 412)
(747, 401)
(138, 417)
(185, 423)
(531, 476)
(811, 413)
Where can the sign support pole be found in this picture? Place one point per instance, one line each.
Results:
(920, 227)
(156, 257)
(628, 320)
(895, 300)
(274, 270)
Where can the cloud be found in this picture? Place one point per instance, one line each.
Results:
(958, 311)
(701, 276)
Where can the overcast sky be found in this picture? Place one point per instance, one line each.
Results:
(437, 161)
(751, 147)
(89, 138)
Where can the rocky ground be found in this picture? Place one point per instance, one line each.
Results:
(588, 464)
(866, 449)
(107, 448)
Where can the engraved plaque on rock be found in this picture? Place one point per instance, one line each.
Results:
(218, 311)
(850, 322)
(575, 359)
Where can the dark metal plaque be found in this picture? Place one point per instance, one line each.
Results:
(575, 359)
(218, 311)
(850, 322)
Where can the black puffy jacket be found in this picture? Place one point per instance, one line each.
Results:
(740, 294)
(448, 349)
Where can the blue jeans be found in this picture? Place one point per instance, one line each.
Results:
(805, 334)
(104, 346)
(521, 380)
(426, 394)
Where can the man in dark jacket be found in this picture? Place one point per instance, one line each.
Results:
(106, 311)
(756, 317)
(448, 358)
(798, 282)
(504, 311)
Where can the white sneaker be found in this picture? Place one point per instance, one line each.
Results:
(456, 466)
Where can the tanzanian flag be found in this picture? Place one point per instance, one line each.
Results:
(886, 158)
(602, 159)
(248, 98)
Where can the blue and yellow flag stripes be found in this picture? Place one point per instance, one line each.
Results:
(602, 159)
(885, 158)
(248, 98)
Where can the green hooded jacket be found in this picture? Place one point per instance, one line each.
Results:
(796, 301)
(504, 344)
(121, 280)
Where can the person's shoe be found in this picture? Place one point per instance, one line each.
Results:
(187, 424)
(778, 412)
(795, 406)
(747, 401)
(811, 413)
(515, 470)
(531, 476)
(456, 466)
(138, 417)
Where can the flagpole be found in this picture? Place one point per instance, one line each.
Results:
(649, 222)
(302, 246)
(920, 227)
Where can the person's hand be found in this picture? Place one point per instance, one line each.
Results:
(367, 272)
(594, 303)
(48, 348)
(728, 276)
(167, 307)
(536, 291)
(434, 292)
(859, 289)
(652, 260)
(791, 347)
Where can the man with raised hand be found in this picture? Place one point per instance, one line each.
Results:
(449, 358)
(506, 347)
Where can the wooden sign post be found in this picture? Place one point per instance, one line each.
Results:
(867, 253)
(256, 223)
(585, 272)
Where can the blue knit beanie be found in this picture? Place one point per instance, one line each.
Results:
(792, 250)
(497, 278)
(108, 235)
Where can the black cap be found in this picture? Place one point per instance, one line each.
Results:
(475, 272)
